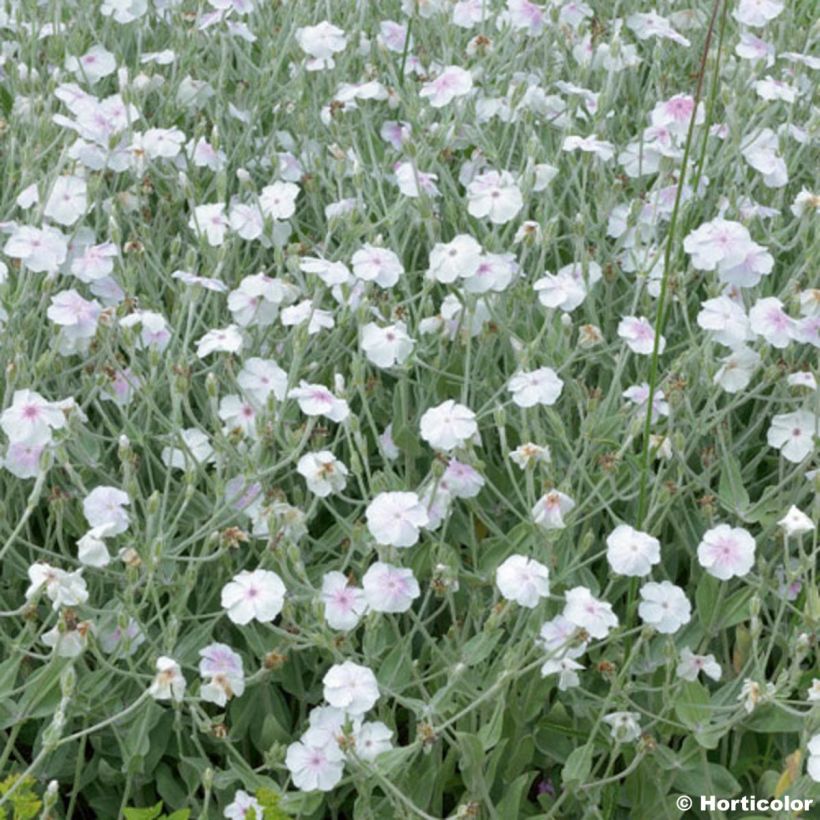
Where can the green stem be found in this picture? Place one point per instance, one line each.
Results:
(661, 313)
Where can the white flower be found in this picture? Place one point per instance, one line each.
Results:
(813, 761)
(331, 273)
(639, 335)
(306, 311)
(240, 806)
(278, 201)
(589, 145)
(386, 346)
(453, 82)
(226, 340)
(525, 455)
(632, 552)
(257, 595)
(584, 610)
(197, 449)
(389, 589)
(316, 763)
(96, 262)
(154, 332)
(461, 480)
(68, 200)
(351, 687)
(753, 48)
(344, 604)
(316, 400)
(813, 694)
(124, 11)
(757, 13)
(321, 42)
(752, 693)
(737, 369)
(561, 290)
(495, 196)
(23, 459)
(379, 265)
(91, 548)
(523, 580)
(162, 143)
(567, 670)
(169, 683)
(31, 418)
(436, 501)
(793, 434)
(664, 606)
(726, 320)
(413, 182)
(768, 319)
(457, 259)
(95, 64)
(448, 425)
(395, 518)
(261, 378)
(802, 378)
(372, 739)
(651, 24)
(62, 588)
(394, 36)
(691, 665)
(638, 394)
(550, 509)
(805, 203)
(762, 154)
(77, 318)
(559, 638)
(210, 221)
(323, 472)
(105, 506)
(257, 300)
(624, 725)
(41, 250)
(70, 643)
(541, 386)
(727, 552)
(717, 244)
(796, 522)
(239, 415)
(495, 272)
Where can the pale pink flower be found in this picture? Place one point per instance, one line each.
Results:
(727, 552)
(639, 335)
(691, 665)
(258, 595)
(768, 319)
(388, 588)
(316, 400)
(585, 611)
(344, 604)
(451, 83)
(494, 195)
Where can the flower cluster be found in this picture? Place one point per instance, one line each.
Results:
(408, 408)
